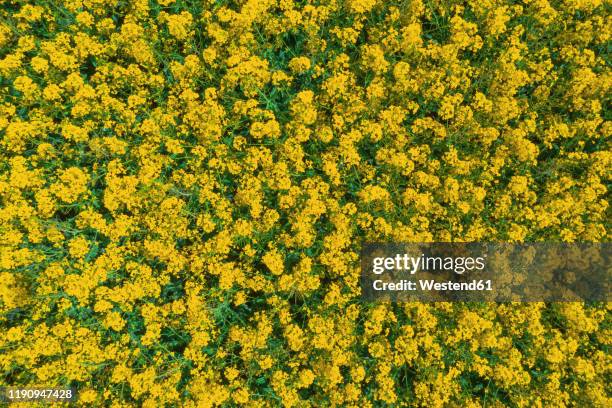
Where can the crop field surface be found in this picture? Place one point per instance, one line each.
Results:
(185, 187)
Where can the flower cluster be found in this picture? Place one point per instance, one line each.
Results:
(185, 186)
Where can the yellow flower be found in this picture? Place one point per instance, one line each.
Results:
(78, 247)
(274, 261)
(299, 65)
(361, 6)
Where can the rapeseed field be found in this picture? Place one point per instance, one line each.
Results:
(185, 187)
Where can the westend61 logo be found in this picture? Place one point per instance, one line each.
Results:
(410, 264)
(490, 272)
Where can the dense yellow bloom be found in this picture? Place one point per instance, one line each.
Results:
(185, 186)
